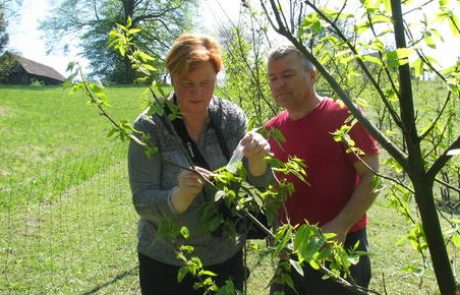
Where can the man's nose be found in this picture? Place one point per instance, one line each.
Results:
(279, 83)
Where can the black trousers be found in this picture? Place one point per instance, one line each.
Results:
(312, 282)
(159, 278)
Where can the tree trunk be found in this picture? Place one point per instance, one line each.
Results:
(430, 221)
(130, 74)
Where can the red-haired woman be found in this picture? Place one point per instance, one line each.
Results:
(210, 129)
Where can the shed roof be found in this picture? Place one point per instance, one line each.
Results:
(35, 68)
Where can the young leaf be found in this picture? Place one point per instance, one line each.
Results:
(183, 271)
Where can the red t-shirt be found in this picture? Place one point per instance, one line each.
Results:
(330, 170)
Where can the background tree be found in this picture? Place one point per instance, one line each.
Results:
(90, 21)
(423, 137)
(8, 10)
(245, 70)
(3, 34)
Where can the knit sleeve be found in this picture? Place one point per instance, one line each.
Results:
(150, 200)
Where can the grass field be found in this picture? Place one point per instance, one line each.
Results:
(67, 223)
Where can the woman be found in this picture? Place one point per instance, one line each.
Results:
(162, 191)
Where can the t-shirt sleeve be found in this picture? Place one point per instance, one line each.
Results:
(363, 141)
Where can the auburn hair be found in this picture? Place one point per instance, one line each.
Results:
(191, 49)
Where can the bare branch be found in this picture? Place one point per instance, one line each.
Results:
(360, 63)
(442, 160)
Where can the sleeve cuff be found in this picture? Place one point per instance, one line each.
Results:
(261, 180)
(169, 201)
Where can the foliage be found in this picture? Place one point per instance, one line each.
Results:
(91, 21)
(7, 66)
(7, 11)
(10, 8)
(3, 34)
(245, 68)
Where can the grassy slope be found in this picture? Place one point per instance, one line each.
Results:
(86, 238)
(41, 127)
(45, 129)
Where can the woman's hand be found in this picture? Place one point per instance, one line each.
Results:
(255, 148)
(190, 183)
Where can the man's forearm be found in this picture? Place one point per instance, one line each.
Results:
(361, 200)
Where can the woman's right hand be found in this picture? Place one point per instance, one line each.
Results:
(190, 183)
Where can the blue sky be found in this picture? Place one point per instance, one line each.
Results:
(25, 38)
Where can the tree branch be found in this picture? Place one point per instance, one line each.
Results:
(442, 160)
(376, 85)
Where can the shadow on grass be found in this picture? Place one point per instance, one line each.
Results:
(118, 277)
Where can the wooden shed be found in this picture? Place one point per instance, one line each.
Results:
(23, 71)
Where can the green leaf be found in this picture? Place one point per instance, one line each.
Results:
(185, 232)
(143, 56)
(296, 266)
(186, 248)
(378, 18)
(429, 41)
(378, 45)
(417, 65)
(183, 271)
(134, 31)
(402, 53)
(454, 24)
(353, 259)
(398, 57)
(314, 264)
(361, 28)
(370, 58)
(329, 236)
(207, 273)
(148, 67)
(456, 240)
(214, 223)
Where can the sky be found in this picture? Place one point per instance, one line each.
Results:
(26, 39)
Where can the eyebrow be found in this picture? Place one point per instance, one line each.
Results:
(287, 71)
(190, 81)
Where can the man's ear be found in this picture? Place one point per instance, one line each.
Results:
(312, 74)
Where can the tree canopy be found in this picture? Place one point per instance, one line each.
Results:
(90, 21)
(3, 34)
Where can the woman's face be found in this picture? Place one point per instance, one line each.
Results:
(194, 89)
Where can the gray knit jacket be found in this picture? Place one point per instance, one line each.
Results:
(152, 181)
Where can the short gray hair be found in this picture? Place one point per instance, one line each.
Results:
(285, 50)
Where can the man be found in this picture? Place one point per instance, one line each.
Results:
(340, 184)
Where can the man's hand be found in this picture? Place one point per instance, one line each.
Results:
(255, 148)
(340, 230)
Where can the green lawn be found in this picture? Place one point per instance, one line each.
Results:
(44, 129)
(66, 219)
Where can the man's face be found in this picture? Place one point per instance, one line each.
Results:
(290, 83)
(194, 89)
